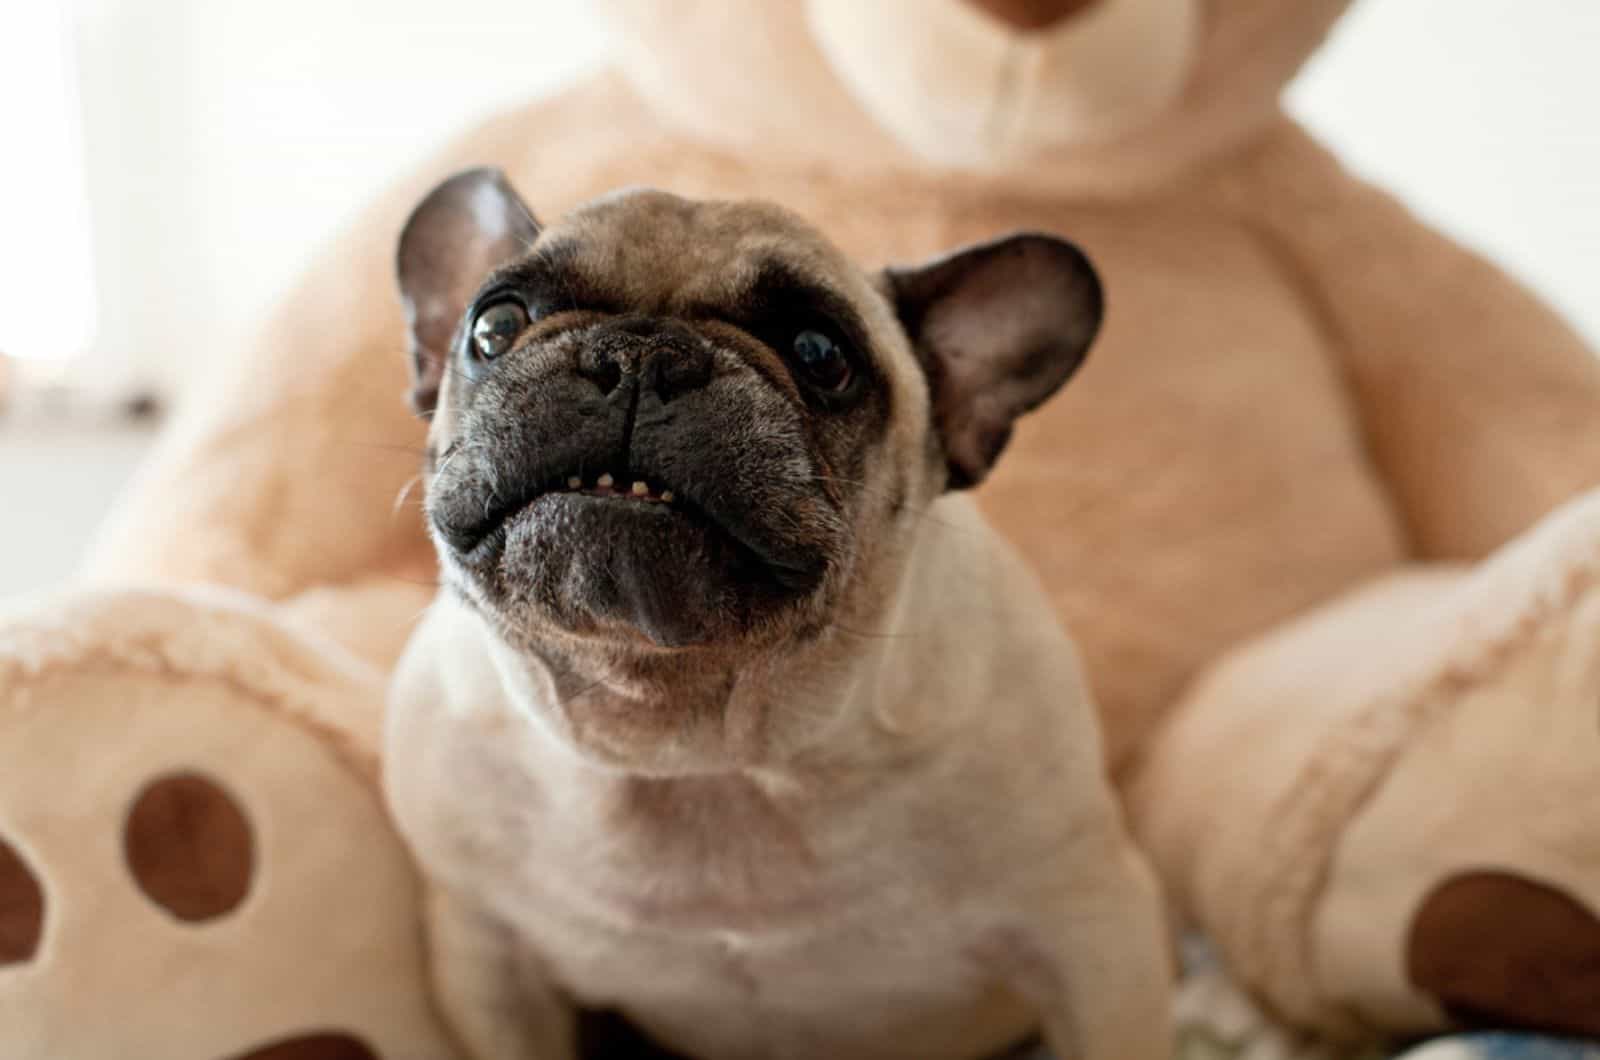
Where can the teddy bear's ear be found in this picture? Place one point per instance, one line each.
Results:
(465, 228)
(998, 328)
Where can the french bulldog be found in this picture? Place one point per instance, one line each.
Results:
(732, 715)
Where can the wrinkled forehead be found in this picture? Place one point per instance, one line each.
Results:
(650, 251)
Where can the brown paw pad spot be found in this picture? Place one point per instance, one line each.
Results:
(312, 1047)
(21, 908)
(189, 846)
(1497, 949)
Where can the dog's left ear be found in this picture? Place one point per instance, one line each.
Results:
(998, 327)
(464, 229)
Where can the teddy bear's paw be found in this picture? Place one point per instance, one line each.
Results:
(1385, 812)
(195, 861)
(1465, 890)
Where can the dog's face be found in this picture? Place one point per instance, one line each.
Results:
(666, 426)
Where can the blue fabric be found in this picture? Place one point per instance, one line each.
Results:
(1503, 1046)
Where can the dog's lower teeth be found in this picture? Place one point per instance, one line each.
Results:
(605, 486)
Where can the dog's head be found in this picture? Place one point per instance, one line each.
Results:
(662, 425)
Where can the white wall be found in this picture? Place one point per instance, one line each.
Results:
(47, 304)
(1485, 117)
(228, 138)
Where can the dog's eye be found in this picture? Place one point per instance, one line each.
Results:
(821, 361)
(496, 328)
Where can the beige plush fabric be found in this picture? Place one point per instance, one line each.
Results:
(1442, 739)
(1302, 393)
(191, 792)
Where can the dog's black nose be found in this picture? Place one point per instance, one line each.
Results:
(661, 357)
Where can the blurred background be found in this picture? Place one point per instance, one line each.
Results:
(169, 164)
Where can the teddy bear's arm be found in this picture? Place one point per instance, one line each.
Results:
(1481, 407)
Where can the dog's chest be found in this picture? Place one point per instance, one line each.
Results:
(723, 926)
(795, 978)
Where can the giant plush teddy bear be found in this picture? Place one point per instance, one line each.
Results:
(1317, 510)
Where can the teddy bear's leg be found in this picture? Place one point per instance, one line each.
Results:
(194, 856)
(1387, 814)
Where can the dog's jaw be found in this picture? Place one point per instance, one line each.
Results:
(635, 708)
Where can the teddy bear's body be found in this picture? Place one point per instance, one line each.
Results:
(1263, 424)
(1258, 509)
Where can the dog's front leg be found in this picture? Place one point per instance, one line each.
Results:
(491, 992)
(1095, 962)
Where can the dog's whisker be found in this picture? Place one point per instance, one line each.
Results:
(393, 447)
(430, 583)
(870, 634)
(924, 513)
(574, 697)
(546, 258)
(445, 463)
(404, 494)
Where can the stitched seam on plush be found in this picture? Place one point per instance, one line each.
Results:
(151, 656)
(1325, 798)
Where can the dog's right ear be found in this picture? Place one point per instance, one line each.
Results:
(464, 229)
